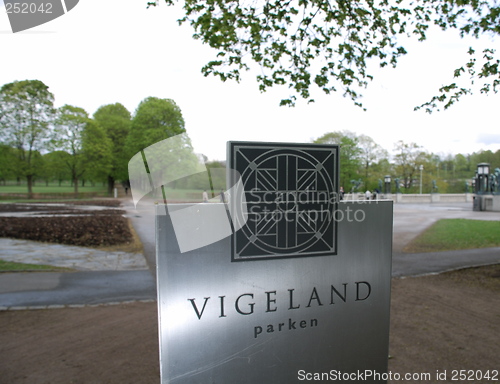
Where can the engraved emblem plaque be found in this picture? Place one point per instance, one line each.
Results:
(291, 195)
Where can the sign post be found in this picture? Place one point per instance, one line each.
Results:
(299, 291)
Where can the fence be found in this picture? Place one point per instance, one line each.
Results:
(419, 198)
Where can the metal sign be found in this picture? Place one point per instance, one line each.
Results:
(275, 314)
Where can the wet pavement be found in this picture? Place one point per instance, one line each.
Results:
(67, 256)
(113, 277)
(97, 277)
(40, 290)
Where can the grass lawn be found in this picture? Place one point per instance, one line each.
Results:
(8, 266)
(455, 234)
(51, 188)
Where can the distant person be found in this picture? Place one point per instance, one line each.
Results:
(341, 193)
(205, 196)
(368, 194)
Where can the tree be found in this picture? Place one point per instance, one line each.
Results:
(463, 166)
(55, 166)
(408, 159)
(68, 136)
(349, 153)
(154, 120)
(97, 152)
(371, 153)
(115, 120)
(8, 163)
(26, 112)
(329, 44)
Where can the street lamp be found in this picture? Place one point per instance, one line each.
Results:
(387, 180)
(421, 169)
(483, 169)
(482, 175)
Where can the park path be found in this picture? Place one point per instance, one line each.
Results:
(135, 280)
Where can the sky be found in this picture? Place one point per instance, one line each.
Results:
(105, 52)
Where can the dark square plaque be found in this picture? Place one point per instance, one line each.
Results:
(291, 192)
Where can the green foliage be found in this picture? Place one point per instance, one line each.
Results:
(97, 151)
(26, 112)
(329, 44)
(408, 160)
(372, 161)
(6, 266)
(363, 163)
(154, 120)
(68, 136)
(9, 163)
(115, 121)
(350, 154)
(488, 73)
(454, 234)
(53, 188)
(55, 166)
(82, 148)
(213, 180)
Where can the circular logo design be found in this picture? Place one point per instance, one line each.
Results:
(291, 198)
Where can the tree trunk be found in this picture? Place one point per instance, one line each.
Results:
(75, 184)
(111, 184)
(29, 179)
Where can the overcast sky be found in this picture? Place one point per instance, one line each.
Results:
(103, 52)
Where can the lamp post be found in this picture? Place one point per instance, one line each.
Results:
(421, 169)
(387, 181)
(482, 175)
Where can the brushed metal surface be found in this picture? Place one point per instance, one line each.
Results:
(268, 321)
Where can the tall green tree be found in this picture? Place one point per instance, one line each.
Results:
(26, 114)
(463, 166)
(97, 152)
(68, 136)
(8, 163)
(329, 44)
(115, 120)
(408, 158)
(350, 154)
(154, 120)
(371, 154)
(55, 167)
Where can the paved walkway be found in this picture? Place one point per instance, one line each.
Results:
(412, 219)
(100, 277)
(117, 277)
(37, 290)
(67, 256)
